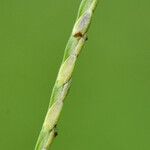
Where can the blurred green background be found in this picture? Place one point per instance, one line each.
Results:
(108, 107)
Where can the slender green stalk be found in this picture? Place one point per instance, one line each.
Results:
(63, 81)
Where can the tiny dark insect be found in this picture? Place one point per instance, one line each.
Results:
(55, 134)
(86, 38)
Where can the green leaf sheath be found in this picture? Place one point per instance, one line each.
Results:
(76, 42)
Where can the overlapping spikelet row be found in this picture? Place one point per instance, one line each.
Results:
(63, 81)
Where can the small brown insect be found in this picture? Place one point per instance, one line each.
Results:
(79, 34)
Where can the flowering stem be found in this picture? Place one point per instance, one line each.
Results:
(63, 81)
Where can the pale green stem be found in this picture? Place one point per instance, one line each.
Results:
(63, 81)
